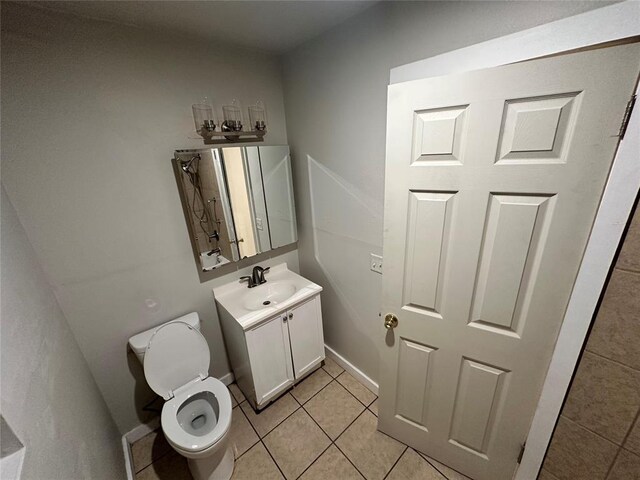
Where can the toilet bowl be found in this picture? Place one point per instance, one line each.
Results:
(196, 416)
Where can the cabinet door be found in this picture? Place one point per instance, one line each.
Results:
(270, 357)
(307, 341)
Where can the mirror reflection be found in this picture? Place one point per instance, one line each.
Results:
(238, 201)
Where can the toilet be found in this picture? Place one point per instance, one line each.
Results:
(196, 416)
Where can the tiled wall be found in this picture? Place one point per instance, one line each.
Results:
(598, 433)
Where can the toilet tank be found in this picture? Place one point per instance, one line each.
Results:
(139, 342)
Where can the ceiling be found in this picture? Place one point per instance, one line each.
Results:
(273, 26)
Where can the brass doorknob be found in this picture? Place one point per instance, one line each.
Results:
(390, 321)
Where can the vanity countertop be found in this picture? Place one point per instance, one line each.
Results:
(250, 306)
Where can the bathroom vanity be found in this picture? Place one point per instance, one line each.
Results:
(273, 332)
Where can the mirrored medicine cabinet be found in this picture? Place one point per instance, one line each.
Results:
(238, 201)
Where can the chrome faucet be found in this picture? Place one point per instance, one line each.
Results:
(256, 278)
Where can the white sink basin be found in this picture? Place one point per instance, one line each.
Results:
(250, 306)
(268, 294)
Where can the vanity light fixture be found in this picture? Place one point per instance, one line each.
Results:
(203, 117)
(232, 127)
(257, 116)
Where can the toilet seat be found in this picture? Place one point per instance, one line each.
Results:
(176, 434)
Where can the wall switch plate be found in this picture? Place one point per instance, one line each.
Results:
(376, 263)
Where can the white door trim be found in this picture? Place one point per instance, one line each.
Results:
(597, 26)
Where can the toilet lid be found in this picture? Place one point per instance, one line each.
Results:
(176, 354)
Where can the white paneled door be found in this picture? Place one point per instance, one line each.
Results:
(493, 179)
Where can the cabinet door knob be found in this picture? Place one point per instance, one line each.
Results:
(290, 316)
(284, 319)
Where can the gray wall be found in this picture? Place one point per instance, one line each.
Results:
(96, 111)
(335, 97)
(48, 396)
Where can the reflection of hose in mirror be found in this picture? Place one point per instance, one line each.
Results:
(207, 217)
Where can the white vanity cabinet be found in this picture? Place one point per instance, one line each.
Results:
(283, 349)
(268, 346)
(271, 348)
(305, 332)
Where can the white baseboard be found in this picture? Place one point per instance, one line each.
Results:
(352, 369)
(227, 379)
(128, 458)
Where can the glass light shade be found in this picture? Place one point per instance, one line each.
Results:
(203, 117)
(257, 116)
(232, 116)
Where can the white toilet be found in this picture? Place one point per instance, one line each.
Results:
(196, 416)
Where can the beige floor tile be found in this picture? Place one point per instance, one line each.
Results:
(149, 448)
(577, 453)
(334, 409)
(311, 385)
(296, 443)
(604, 397)
(544, 475)
(234, 402)
(630, 253)
(616, 331)
(626, 467)
(448, 472)
(374, 407)
(372, 452)
(358, 390)
(412, 466)
(256, 464)
(242, 436)
(271, 416)
(236, 393)
(170, 467)
(332, 464)
(632, 443)
(332, 368)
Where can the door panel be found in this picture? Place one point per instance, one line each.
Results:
(413, 382)
(429, 222)
(270, 357)
(476, 402)
(511, 239)
(493, 179)
(307, 342)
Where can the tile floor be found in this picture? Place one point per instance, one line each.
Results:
(324, 428)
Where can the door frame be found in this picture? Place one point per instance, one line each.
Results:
(602, 25)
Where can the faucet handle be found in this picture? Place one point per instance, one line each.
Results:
(249, 280)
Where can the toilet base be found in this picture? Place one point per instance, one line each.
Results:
(218, 466)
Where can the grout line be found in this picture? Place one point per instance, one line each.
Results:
(153, 460)
(263, 444)
(309, 399)
(589, 430)
(254, 431)
(436, 468)
(396, 462)
(345, 387)
(615, 459)
(626, 270)
(333, 442)
(281, 421)
(273, 460)
(609, 359)
(315, 460)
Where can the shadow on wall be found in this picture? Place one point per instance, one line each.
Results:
(346, 223)
(142, 393)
